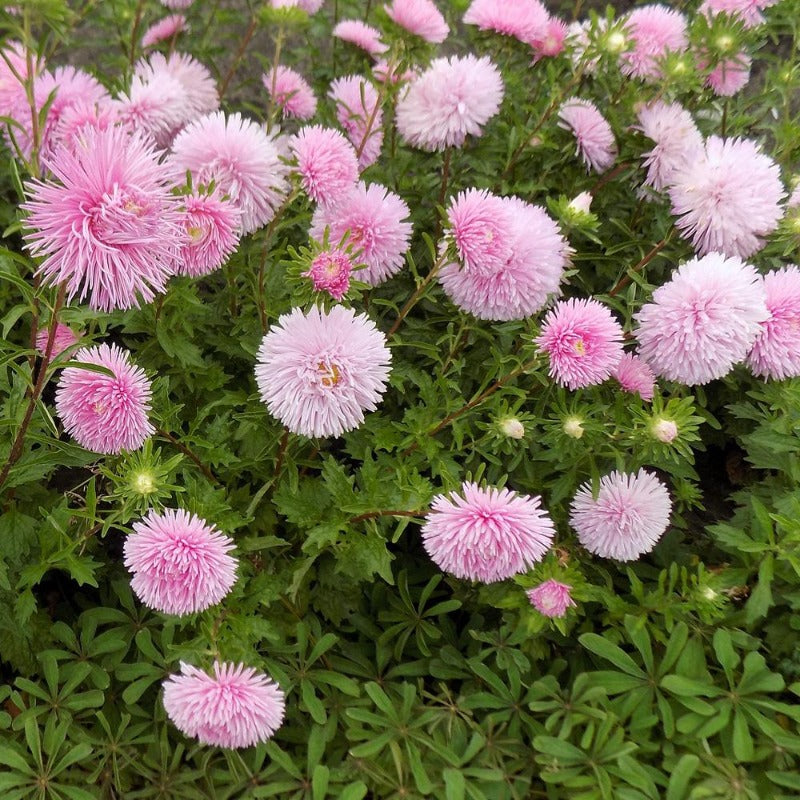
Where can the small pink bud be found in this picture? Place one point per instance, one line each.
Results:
(582, 203)
(665, 430)
(512, 428)
(551, 598)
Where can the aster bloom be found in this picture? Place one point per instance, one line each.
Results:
(626, 519)
(453, 98)
(240, 157)
(13, 99)
(730, 75)
(776, 351)
(105, 413)
(74, 119)
(728, 198)
(583, 341)
(107, 226)
(359, 113)
(163, 30)
(290, 91)
(677, 141)
(361, 35)
(703, 320)
(212, 226)
(63, 338)
(635, 376)
(235, 707)
(487, 534)
(525, 20)
(155, 109)
(748, 11)
(551, 598)
(373, 218)
(326, 162)
(594, 138)
(319, 371)
(512, 256)
(550, 42)
(330, 272)
(655, 31)
(180, 564)
(420, 17)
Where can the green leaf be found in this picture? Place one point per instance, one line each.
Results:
(680, 775)
(605, 649)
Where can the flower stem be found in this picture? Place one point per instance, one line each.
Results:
(385, 513)
(248, 35)
(188, 452)
(411, 302)
(655, 250)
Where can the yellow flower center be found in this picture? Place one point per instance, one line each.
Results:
(330, 374)
(580, 347)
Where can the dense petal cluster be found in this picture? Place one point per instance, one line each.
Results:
(595, 142)
(420, 17)
(319, 371)
(326, 162)
(212, 226)
(180, 564)
(488, 534)
(730, 75)
(291, 92)
(455, 97)
(655, 31)
(626, 519)
(63, 338)
(635, 376)
(361, 35)
(105, 413)
(164, 30)
(525, 20)
(551, 598)
(703, 320)
(748, 11)
(235, 707)
(330, 272)
(359, 113)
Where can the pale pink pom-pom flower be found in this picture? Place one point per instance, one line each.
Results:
(156, 109)
(550, 42)
(373, 218)
(180, 564)
(730, 75)
(105, 413)
(319, 371)
(212, 227)
(635, 376)
(361, 35)
(655, 31)
(728, 198)
(14, 63)
(626, 519)
(776, 351)
(63, 338)
(420, 17)
(551, 598)
(748, 11)
(107, 226)
(330, 272)
(703, 320)
(487, 534)
(594, 138)
(235, 707)
(359, 113)
(455, 97)
(583, 341)
(326, 162)
(291, 92)
(163, 30)
(525, 20)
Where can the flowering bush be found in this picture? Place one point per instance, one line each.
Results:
(399, 400)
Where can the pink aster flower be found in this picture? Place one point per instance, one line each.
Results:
(420, 17)
(703, 320)
(319, 371)
(234, 707)
(373, 218)
(212, 226)
(626, 519)
(163, 30)
(583, 341)
(326, 162)
(63, 339)
(453, 98)
(240, 157)
(525, 20)
(180, 564)
(776, 351)
(155, 109)
(361, 35)
(748, 11)
(635, 376)
(655, 31)
(550, 42)
(728, 198)
(330, 272)
(13, 100)
(512, 256)
(105, 413)
(290, 91)
(107, 226)
(99, 116)
(359, 113)
(551, 598)
(678, 142)
(176, 4)
(488, 534)
(729, 76)
(593, 135)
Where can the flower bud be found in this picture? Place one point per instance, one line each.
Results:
(143, 482)
(573, 426)
(665, 430)
(512, 428)
(616, 42)
(581, 203)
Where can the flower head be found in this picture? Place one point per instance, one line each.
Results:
(583, 341)
(63, 338)
(180, 563)
(453, 98)
(326, 162)
(420, 17)
(655, 31)
(488, 534)
(234, 707)
(748, 11)
(593, 135)
(14, 63)
(665, 430)
(319, 371)
(107, 225)
(374, 220)
(240, 157)
(730, 75)
(626, 519)
(776, 351)
(635, 376)
(153, 108)
(703, 320)
(163, 30)
(330, 272)
(551, 598)
(291, 92)
(359, 113)
(550, 42)
(212, 233)
(361, 35)
(525, 20)
(729, 198)
(105, 413)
